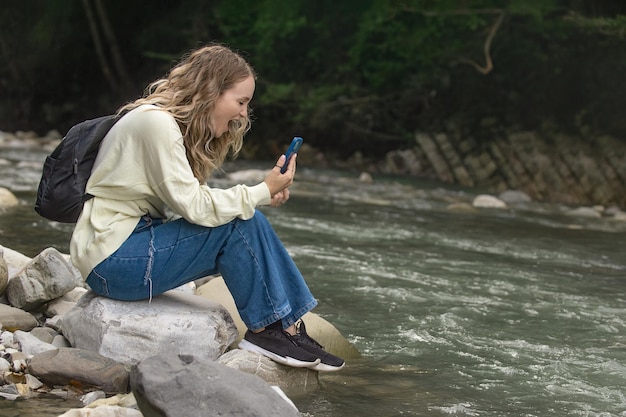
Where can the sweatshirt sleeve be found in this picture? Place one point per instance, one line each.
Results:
(172, 180)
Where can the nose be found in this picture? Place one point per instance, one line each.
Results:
(244, 111)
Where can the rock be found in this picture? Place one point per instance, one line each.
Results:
(46, 277)
(589, 212)
(59, 307)
(11, 377)
(514, 197)
(189, 288)
(13, 319)
(45, 334)
(4, 275)
(9, 392)
(620, 216)
(103, 411)
(130, 331)
(74, 295)
(461, 208)
(92, 396)
(7, 340)
(318, 328)
(31, 345)
(54, 323)
(7, 198)
(488, 201)
(122, 400)
(366, 178)
(15, 261)
(60, 341)
(164, 384)
(80, 368)
(18, 360)
(32, 382)
(289, 379)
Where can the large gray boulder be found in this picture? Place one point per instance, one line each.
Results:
(131, 331)
(184, 385)
(46, 277)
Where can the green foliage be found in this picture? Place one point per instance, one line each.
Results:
(351, 74)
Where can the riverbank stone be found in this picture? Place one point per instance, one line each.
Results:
(170, 385)
(15, 260)
(293, 381)
(589, 212)
(46, 277)
(62, 305)
(80, 368)
(514, 197)
(488, 201)
(7, 198)
(130, 331)
(31, 345)
(4, 272)
(45, 334)
(13, 319)
(103, 411)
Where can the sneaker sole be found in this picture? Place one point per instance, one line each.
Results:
(285, 360)
(322, 367)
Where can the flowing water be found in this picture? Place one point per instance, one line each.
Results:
(510, 312)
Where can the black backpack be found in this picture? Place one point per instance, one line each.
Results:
(61, 193)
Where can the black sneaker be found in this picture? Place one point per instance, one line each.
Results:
(279, 346)
(328, 362)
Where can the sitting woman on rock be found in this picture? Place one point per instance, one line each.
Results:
(160, 154)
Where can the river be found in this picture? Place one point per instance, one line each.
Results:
(498, 312)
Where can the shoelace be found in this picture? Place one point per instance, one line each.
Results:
(285, 334)
(302, 334)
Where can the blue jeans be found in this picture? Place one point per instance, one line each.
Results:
(259, 273)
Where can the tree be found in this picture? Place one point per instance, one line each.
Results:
(116, 75)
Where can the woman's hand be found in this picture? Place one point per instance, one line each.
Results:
(280, 198)
(278, 183)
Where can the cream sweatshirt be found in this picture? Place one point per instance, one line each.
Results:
(142, 168)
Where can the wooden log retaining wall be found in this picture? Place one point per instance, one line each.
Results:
(554, 168)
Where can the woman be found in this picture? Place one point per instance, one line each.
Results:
(159, 156)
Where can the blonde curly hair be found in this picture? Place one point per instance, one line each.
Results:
(189, 93)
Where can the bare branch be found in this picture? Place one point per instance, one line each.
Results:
(487, 47)
(113, 46)
(104, 65)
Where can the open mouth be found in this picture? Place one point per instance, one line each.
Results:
(234, 124)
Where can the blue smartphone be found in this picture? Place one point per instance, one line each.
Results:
(293, 148)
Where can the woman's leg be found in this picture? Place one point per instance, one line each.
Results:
(261, 276)
(254, 250)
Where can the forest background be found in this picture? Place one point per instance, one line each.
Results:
(352, 76)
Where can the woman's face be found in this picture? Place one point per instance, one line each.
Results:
(232, 105)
